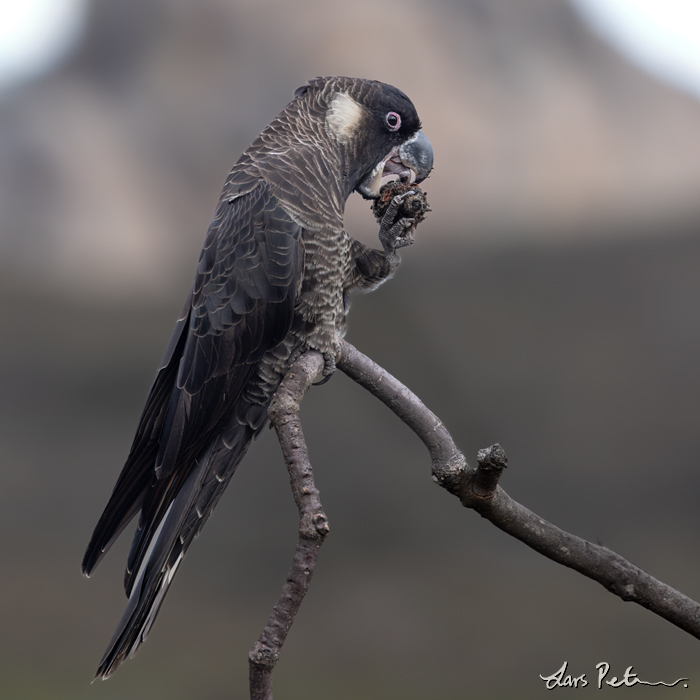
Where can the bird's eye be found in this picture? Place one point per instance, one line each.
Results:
(393, 121)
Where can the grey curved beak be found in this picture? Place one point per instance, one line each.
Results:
(417, 154)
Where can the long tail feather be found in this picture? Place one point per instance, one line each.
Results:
(182, 522)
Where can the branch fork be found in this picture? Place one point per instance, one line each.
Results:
(476, 488)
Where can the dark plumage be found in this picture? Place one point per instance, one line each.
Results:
(273, 280)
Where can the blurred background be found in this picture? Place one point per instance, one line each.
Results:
(550, 303)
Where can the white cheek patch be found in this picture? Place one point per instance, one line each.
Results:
(344, 116)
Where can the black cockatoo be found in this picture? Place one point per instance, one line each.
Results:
(273, 280)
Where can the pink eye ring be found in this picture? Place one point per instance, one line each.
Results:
(393, 121)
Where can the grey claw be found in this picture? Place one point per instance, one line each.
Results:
(399, 235)
(328, 368)
(393, 208)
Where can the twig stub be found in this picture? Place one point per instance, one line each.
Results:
(491, 462)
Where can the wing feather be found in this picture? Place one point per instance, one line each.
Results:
(241, 305)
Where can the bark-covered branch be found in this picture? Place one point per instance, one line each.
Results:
(313, 524)
(478, 489)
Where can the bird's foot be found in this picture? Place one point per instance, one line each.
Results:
(328, 367)
(329, 363)
(297, 351)
(399, 234)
